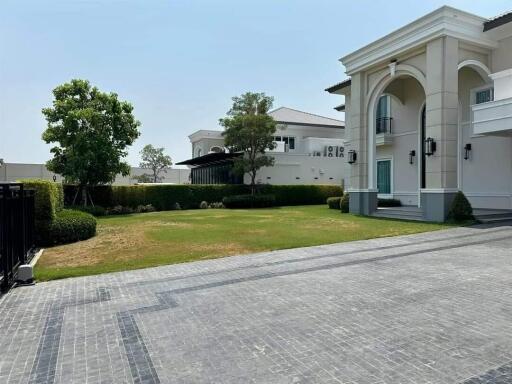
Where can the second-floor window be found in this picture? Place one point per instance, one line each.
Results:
(288, 140)
(484, 95)
(383, 118)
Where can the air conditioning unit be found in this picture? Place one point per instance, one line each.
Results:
(331, 151)
(317, 153)
(341, 151)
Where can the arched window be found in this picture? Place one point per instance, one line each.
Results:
(199, 152)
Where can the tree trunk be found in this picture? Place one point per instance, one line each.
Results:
(90, 197)
(253, 183)
(84, 195)
(76, 195)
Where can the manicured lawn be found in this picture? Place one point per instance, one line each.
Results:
(152, 239)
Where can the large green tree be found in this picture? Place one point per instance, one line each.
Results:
(249, 129)
(92, 131)
(156, 161)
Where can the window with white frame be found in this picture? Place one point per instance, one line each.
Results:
(484, 95)
(288, 140)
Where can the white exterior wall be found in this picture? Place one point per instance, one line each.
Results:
(486, 177)
(11, 172)
(308, 169)
(297, 166)
(449, 53)
(303, 133)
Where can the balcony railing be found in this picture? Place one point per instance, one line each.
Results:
(383, 125)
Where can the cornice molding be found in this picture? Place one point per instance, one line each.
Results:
(445, 21)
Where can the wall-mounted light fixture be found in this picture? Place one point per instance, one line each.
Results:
(467, 149)
(430, 146)
(412, 154)
(54, 178)
(352, 156)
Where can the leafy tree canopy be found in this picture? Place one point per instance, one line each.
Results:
(92, 131)
(249, 129)
(155, 160)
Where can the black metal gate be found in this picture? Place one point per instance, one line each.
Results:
(16, 230)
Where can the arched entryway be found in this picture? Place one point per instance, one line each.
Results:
(396, 168)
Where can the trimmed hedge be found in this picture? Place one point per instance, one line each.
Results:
(334, 202)
(48, 199)
(345, 202)
(165, 197)
(460, 209)
(67, 227)
(249, 201)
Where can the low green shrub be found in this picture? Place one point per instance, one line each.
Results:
(334, 202)
(67, 227)
(460, 209)
(217, 205)
(203, 205)
(96, 210)
(345, 202)
(120, 210)
(249, 201)
(389, 203)
(166, 197)
(145, 208)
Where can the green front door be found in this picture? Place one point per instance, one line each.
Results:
(384, 177)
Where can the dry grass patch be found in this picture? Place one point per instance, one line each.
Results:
(144, 240)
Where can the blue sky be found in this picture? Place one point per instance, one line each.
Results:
(180, 61)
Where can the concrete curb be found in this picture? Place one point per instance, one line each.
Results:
(35, 259)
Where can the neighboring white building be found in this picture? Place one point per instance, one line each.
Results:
(10, 172)
(429, 113)
(309, 150)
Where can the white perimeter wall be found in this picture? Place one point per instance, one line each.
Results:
(14, 171)
(308, 169)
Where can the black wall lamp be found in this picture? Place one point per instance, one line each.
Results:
(412, 154)
(430, 146)
(352, 156)
(467, 149)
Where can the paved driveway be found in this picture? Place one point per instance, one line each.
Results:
(429, 308)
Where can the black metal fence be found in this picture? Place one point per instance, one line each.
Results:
(16, 230)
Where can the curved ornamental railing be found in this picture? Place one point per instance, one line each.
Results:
(17, 234)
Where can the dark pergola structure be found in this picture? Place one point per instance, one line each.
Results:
(213, 168)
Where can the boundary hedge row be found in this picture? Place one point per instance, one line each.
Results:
(165, 197)
(54, 224)
(49, 198)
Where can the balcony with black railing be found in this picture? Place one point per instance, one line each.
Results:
(383, 128)
(383, 125)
